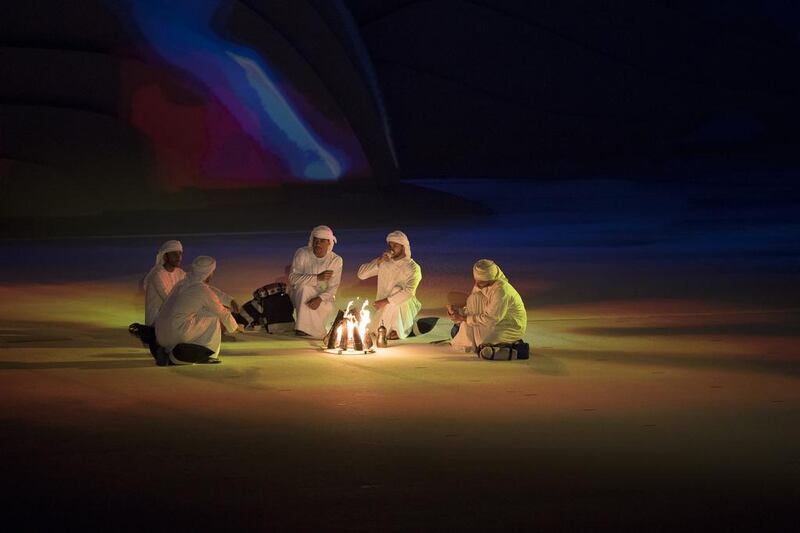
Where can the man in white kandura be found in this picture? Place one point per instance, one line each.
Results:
(396, 301)
(162, 278)
(189, 325)
(313, 282)
(494, 313)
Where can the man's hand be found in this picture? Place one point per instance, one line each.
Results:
(380, 304)
(454, 315)
(324, 276)
(313, 303)
(385, 256)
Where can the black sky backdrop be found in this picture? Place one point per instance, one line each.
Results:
(578, 87)
(469, 88)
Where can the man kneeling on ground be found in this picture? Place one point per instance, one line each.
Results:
(494, 313)
(189, 325)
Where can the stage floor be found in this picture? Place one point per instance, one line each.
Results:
(663, 390)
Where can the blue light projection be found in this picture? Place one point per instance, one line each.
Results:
(180, 32)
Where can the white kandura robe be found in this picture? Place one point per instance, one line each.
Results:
(193, 314)
(397, 282)
(495, 314)
(303, 286)
(158, 283)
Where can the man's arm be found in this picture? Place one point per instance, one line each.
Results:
(224, 298)
(368, 270)
(215, 306)
(493, 311)
(329, 293)
(297, 274)
(406, 287)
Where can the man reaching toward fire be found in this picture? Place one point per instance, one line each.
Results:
(396, 301)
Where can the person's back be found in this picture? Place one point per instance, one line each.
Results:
(186, 300)
(193, 316)
(513, 322)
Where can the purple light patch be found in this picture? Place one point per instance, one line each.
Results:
(242, 124)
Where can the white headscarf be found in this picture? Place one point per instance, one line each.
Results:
(321, 232)
(169, 246)
(400, 238)
(487, 270)
(202, 267)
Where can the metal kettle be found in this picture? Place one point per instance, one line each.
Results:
(381, 340)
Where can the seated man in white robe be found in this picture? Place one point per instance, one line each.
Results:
(158, 284)
(161, 279)
(494, 313)
(396, 301)
(313, 281)
(189, 325)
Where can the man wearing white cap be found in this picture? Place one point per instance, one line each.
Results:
(396, 301)
(189, 325)
(494, 313)
(313, 281)
(162, 278)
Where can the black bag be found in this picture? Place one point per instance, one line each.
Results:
(504, 351)
(270, 307)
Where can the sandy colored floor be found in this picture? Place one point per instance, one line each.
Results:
(663, 392)
(412, 437)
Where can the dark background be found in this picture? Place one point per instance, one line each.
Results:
(510, 87)
(641, 90)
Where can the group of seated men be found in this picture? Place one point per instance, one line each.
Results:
(317, 271)
(185, 315)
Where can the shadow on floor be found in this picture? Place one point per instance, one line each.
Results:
(126, 364)
(719, 361)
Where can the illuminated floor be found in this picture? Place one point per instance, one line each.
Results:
(663, 392)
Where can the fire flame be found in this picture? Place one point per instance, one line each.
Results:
(350, 324)
(364, 322)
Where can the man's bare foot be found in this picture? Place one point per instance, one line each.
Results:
(393, 336)
(300, 333)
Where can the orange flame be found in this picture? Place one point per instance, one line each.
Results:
(349, 324)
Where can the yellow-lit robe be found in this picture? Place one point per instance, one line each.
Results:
(494, 314)
(397, 282)
(304, 286)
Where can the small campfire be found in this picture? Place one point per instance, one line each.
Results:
(349, 334)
